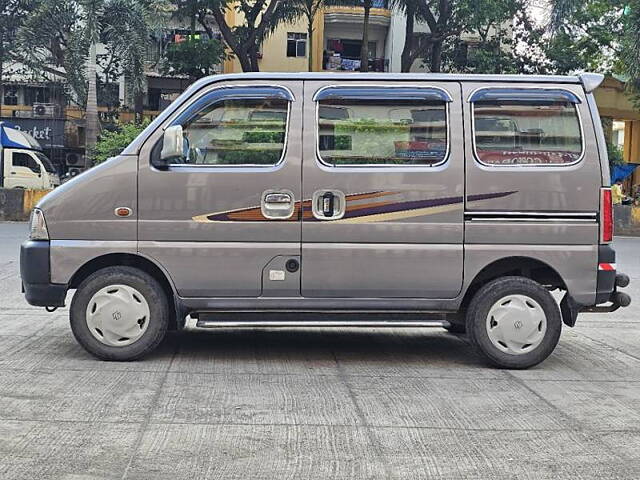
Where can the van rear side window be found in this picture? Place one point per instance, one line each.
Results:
(382, 126)
(526, 127)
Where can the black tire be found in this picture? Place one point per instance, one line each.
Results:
(144, 283)
(481, 304)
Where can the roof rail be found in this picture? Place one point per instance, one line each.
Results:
(590, 81)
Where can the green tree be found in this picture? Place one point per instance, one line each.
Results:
(260, 19)
(59, 39)
(589, 35)
(112, 142)
(195, 58)
(12, 16)
(597, 35)
(496, 27)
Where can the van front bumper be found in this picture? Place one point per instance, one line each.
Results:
(35, 273)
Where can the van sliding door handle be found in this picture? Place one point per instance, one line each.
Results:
(328, 204)
(277, 204)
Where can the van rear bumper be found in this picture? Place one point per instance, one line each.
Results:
(606, 277)
(35, 273)
(609, 280)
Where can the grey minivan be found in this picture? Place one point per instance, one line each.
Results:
(459, 201)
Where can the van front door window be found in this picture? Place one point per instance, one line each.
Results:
(234, 132)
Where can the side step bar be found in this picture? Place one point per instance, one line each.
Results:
(308, 319)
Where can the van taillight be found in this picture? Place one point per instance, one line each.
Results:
(606, 216)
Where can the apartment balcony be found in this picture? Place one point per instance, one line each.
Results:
(380, 14)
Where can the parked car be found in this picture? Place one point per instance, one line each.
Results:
(22, 163)
(345, 194)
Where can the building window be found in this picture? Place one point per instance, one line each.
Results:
(296, 45)
(526, 127)
(10, 95)
(395, 126)
(36, 95)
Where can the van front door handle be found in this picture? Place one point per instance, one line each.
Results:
(277, 198)
(277, 204)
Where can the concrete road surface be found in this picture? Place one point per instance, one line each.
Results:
(313, 403)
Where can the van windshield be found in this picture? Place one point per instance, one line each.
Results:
(48, 166)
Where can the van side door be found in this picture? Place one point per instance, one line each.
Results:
(224, 219)
(383, 183)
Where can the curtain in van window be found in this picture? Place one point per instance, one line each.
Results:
(532, 132)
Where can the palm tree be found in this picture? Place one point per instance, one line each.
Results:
(59, 40)
(309, 9)
(125, 26)
(364, 50)
(92, 34)
(414, 11)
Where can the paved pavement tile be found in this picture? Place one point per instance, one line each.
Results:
(254, 399)
(594, 405)
(264, 452)
(40, 450)
(418, 453)
(77, 395)
(302, 352)
(450, 403)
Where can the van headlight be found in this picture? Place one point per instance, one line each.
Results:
(38, 228)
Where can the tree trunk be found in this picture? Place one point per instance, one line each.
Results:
(253, 59)
(310, 43)
(364, 51)
(406, 59)
(244, 60)
(138, 106)
(1, 71)
(436, 56)
(91, 114)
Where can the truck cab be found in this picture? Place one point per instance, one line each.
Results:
(22, 163)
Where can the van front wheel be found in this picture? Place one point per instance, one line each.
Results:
(119, 313)
(514, 322)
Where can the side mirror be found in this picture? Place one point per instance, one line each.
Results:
(172, 145)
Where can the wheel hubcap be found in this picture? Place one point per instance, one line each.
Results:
(117, 315)
(516, 324)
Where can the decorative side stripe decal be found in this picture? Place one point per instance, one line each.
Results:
(380, 211)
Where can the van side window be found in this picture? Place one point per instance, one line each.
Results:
(382, 126)
(526, 127)
(236, 127)
(24, 160)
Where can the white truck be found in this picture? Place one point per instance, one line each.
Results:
(22, 163)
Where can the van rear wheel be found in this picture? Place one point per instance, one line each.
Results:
(514, 322)
(119, 313)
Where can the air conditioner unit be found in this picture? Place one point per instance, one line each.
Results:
(45, 109)
(74, 159)
(74, 171)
